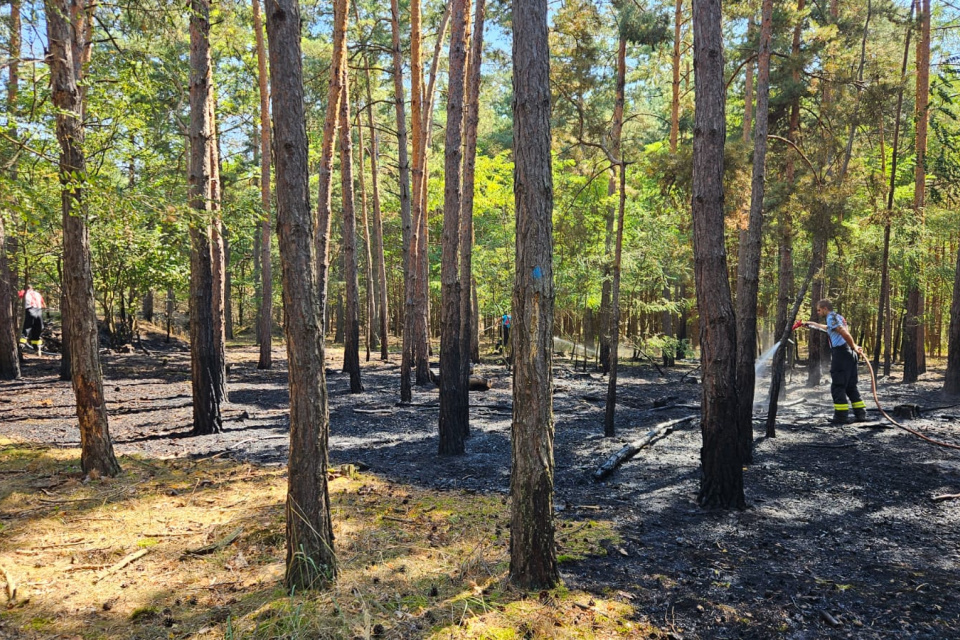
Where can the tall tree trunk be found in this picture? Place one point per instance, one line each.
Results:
(380, 281)
(203, 345)
(454, 401)
(406, 222)
(227, 289)
(421, 326)
(748, 92)
(351, 341)
(371, 327)
(675, 99)
(469, 328)
(533, 560)
(913, 347)
(722, 475)
(338, 65)
(784, 330)
(951, 381)
(748, 265)
(265, 312)
(68, 34)
(311, 561)
(616, 130)
(883, 315)
(9, 355)
(609, 429)
(415, 324)
(218, 260)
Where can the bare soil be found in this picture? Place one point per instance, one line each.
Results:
(842, 537)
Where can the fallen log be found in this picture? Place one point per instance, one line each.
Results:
(628, 451)
(946, 496)
(133, 557)
(479, 384)
(11, 585)
(216, 546)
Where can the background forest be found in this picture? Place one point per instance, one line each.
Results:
(836, 80)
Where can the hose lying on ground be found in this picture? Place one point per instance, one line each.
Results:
(876, 399)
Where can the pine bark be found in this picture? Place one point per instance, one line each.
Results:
(9, 355)
(675, 94)
(203, 345)
(748, 265)
(265, 312)
(533, 562)
(380, 281)
(416, 321)
(351, 340)
(722, 475)
(218, 259)
(454, 403)
(913, 347)
(311, 561)
(951, 382)
(609, 427)
(338, 64)
(406, 222)
(371, 297)
(469, 326)
(68, 32)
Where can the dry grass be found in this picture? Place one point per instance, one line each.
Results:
(414, 563)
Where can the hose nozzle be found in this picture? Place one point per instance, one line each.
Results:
(797, 325)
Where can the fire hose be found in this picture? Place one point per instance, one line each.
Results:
(876, 399)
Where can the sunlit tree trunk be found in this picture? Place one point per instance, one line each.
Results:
(721, 482)
(311, 561)
(338, 64)
(748, 265)
(218, 258)
(403, 161)
(469, 327)
(533, 560)
(203, 344)
(371, 297)
(380, 266)
(265, 312)
(68, 35)
(351, 341)
(9, 356)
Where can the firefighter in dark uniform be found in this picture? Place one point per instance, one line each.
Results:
(843, 368)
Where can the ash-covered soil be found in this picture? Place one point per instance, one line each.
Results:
(842, 537)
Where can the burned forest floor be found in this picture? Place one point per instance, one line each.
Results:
(847, 532)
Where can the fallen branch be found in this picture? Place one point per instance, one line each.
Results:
(216, 546)
(133, 557)
(11, 585)
(946, 496)
(630, 450)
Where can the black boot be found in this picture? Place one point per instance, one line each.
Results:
(839, 417)
(859, 415)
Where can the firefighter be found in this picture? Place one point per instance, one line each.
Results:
(844, 354)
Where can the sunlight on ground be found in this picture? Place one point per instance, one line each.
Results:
(195, 549)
